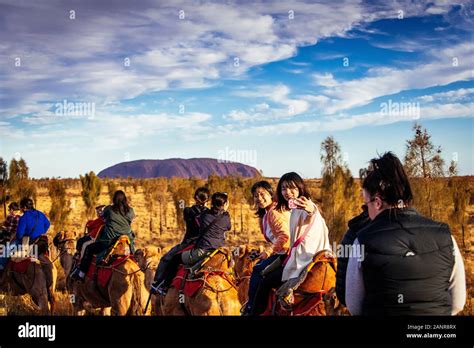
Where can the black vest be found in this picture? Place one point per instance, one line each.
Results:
(407, 264)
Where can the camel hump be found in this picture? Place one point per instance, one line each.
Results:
(320, 274)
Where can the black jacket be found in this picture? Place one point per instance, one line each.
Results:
(192, 226)
(213, 237)
(355, 225)
(407, 264)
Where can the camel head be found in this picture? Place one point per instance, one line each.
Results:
(148, 256)
(243, 264)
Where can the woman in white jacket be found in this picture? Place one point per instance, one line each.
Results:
(308, 235)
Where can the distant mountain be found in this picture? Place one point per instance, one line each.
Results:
(183, 168)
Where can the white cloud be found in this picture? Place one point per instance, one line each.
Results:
(278, 94)
(325, 80)
(84, 58)
(382, 81)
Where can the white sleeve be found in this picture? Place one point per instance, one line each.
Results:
(355, 289)
(457, 282)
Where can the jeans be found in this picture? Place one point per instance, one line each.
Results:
(264, 288)
(161, 270)
(255, 278)
(91, 250)
(187, 258)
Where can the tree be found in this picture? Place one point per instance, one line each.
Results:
(338, 190)
(182, 193)
(112, 187)
(18, 181)
(460, 194)
(60, 205)
(91, 187)
(423, 161)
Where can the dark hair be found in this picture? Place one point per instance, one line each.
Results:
(297, 181)
(202, 195)
(27, 203)
(267, 187)
(218, 200)
(13, 206)
(120, 203)
(387, 178)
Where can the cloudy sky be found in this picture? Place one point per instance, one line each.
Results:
(87, 84)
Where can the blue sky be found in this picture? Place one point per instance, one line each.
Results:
(259, 82)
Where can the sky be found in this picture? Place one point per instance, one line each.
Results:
(88, 84)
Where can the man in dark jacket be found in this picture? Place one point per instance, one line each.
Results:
(213, 225)
(191, 218)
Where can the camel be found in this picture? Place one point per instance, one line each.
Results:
(243, 266)
(148, 259)
(66, 245)
(218, 296)
(125, 292)
(40, 277)
(33, 282)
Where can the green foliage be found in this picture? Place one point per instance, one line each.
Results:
(91, 187)
(423, 161)
(111, 187)
(19, 184)
(60, 205)
(340, 198)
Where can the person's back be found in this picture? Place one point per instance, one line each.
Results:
(191, 214)
(408, 266)
(33, 223)
(213, 226)
(116, 223)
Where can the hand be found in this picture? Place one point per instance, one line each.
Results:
(305, 204)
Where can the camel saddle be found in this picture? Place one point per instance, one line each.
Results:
(189, 280)
(299, 295)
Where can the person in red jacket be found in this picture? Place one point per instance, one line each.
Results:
(92, 230)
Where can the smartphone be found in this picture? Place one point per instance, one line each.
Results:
(292, 204)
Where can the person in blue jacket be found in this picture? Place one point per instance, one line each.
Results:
(33, 224)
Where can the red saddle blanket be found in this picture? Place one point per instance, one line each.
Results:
(19, 267)
(105, 272)
(300, 309)
(191, 286)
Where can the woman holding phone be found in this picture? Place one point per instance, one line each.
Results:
(275, 227)
(308, 235)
